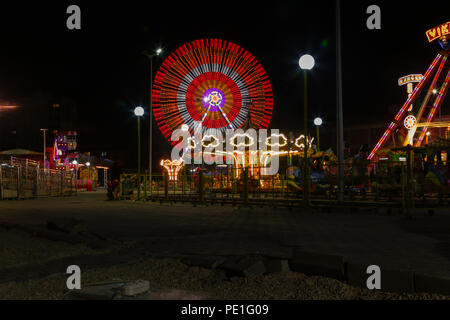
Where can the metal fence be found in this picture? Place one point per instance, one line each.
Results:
(390, 183)
(23, 179)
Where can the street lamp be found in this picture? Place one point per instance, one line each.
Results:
(150, 57)
(75, 163)
(139, 112)
(318, 122)
(88, 165)
(428, 134)
(44, 131)
(306, 63)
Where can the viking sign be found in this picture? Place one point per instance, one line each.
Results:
(438, 32)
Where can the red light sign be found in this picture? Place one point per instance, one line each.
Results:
(438, 32)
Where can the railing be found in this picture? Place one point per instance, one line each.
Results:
(386, 183)
(23, 179)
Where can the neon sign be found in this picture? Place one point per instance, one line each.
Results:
(438, 32)
(410, 79)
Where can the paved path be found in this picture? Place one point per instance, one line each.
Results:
(422, 244)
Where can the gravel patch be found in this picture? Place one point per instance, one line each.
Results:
(172, 273)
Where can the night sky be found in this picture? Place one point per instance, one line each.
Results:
(100, 75)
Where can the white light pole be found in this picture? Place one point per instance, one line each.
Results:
(150, 164)
(306, 63)
(88, 164)
(139, 112)
(75, 163)
(318, 122)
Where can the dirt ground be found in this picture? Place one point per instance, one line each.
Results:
(172, 273)
(150, 237)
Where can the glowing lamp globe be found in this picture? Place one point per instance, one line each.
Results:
(74, 162)
(139, 111)
(306, 62)
(88, 164)
(318, 121)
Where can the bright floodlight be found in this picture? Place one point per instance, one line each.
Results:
(318, 121)
(139, 111)
(88, 164)
(158, 51)
(306, 62)
(74, 162)
(434, 91)
(184, 128)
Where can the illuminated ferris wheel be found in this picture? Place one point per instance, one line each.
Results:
(211, 85)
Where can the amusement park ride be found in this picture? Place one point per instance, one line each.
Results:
(215, 87)
(415, 117)
(211, 85)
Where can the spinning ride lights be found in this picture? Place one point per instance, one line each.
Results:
(172, 168)
(211, 85)
(439, 85)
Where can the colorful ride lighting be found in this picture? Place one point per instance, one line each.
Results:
(436, 106)
(410, 122)
(234, 143)
(283, 142)
(412, 78)
(210, 141)
(405, 107)
(192, 144)
(438, 32)
(418, 89)
(211, 85)
(172, 168)
(300, 144)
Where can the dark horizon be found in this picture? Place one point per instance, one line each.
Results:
(98, 74)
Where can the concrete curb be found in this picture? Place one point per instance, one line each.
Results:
(326, 265)
(355, 274)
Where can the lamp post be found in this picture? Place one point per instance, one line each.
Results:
(88, 165)
(75, 163)
(340, 113)
(139, 112)
(306, 63)
(150, 153)
(318, 122)
(44, 131)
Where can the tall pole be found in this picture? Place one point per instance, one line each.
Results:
(318, 139)
(150, 155)
(45, 146)
(305, 160)
(340, 116)
(139, 158)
